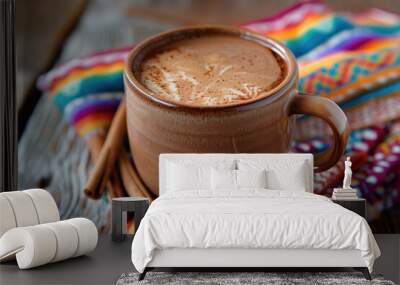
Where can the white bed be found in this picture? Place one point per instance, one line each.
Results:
(248, 227)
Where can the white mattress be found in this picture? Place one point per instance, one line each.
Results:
(252, 219)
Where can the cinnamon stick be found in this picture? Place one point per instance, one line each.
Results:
(139, 182)
(114, 185)
(133, 184)
(108, 155)
(131, 187)
(116, 189)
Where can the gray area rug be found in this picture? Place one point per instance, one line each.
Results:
(228, 278)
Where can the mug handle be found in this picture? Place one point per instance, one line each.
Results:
(331, 113)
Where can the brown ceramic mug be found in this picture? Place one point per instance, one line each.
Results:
(263, 125)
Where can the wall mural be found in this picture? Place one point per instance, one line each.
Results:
(351, 58)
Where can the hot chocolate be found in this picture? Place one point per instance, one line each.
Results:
(191, 69)
(212, 70)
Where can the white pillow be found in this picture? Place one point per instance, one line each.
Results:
(251, 178)
(223, 179)
(182, 177)
(235, 179)
(295, 181)
(288, 174)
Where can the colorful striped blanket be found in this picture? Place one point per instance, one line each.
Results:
(351, 58)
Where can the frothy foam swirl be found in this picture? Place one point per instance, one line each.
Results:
(212, 70)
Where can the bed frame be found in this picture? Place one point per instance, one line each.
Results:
(236, 259)
(233, 259)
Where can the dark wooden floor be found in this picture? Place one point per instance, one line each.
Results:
(103, 266)
(106, 264)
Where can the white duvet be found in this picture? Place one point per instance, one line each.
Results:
(250, 219)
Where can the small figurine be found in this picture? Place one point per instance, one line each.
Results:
(347, 174)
